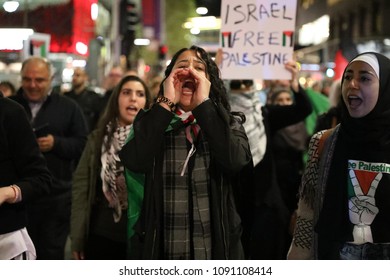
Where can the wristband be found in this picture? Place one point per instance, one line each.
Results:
(16, 190)
(163, 99)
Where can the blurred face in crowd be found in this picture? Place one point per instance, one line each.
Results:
(189, 59)
(360, 89)
(36, 79)
(6, 90)
(132, 98)
(114, 77)
(283, 99)
(79, 78)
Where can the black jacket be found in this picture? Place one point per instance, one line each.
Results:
(21, 163)
(229, 151)
(67, 124)
(265, 215)
(90, 102)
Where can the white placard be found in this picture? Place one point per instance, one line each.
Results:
(257, 38)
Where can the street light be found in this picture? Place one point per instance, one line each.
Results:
(11, 6)
(202, 11)
(141, 42)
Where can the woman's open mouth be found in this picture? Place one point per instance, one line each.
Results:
(188, 86)
(354, 101)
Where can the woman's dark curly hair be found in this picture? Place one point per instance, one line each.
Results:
(111, 111)
(218, 93)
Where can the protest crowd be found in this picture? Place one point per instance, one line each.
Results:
(219, 155)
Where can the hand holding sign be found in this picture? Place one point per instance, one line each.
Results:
(292, 66)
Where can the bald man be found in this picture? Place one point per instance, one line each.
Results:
(88, 100)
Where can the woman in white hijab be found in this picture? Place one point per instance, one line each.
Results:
(344, 197)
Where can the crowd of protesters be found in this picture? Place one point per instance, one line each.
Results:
(185, 165)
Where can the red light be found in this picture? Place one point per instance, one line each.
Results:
(163, 49)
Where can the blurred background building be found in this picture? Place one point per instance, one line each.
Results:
(331, 32)
(142, 35)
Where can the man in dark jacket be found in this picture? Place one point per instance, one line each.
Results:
(88, 100)
(24, 177)
(61, 132)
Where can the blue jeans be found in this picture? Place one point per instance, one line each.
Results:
(366, 251)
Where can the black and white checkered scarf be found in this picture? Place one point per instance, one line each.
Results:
(113, 181)
(187, 233)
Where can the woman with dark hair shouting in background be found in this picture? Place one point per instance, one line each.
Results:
(99, 193)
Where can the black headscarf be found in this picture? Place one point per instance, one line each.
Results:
(367, 139)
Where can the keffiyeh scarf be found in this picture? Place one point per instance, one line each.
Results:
(113, 181)
(249, 103)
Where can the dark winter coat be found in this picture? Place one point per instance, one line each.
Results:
(229, 152)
